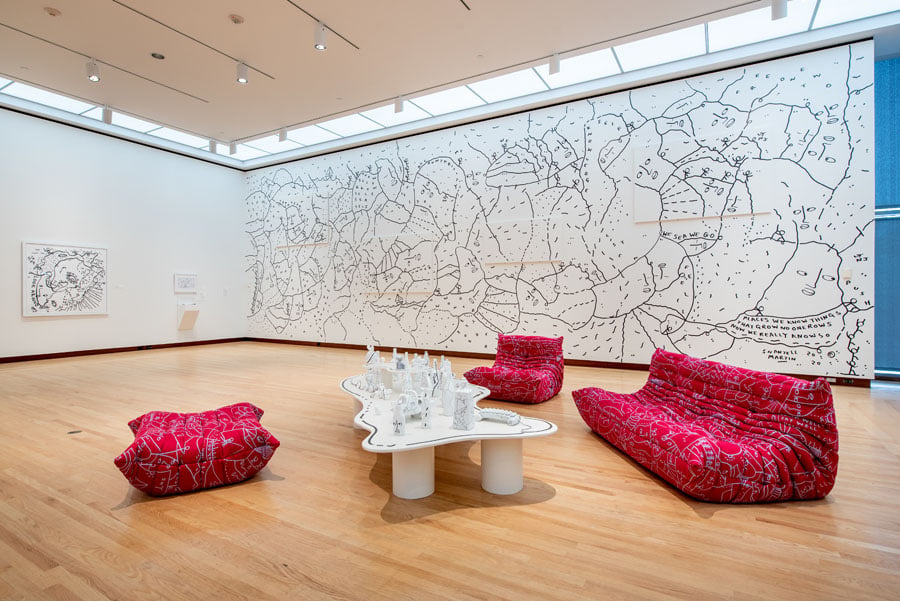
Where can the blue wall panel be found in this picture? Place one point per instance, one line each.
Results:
(887, 229)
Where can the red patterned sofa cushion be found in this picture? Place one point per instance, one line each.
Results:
(528, 369)
(180, 452)
(721, 433)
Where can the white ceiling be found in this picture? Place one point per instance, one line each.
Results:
(389, 48)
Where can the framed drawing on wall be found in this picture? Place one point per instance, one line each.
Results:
(62, 279)
(185, 283)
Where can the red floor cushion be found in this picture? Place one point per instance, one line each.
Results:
(181, 452)
(527, 369)
(722, 433)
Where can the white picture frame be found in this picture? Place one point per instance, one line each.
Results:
(64, 279)
(185, 283)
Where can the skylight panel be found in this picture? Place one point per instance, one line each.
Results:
(311, 135)
(179, 136)
(244, 152)
(94, 113)
(448, 101)
(270, 144)
(664, 48)
(386, 116)
(63, 103)
(350, 125)
(4, 82)
(585, 67)
(133, 123)
(511, 85)
(126, 121)
(757, 25)
(832, 12)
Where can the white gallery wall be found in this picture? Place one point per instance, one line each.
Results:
(728, 216)
(156, 213)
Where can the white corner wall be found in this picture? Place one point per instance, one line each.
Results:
(157, 213)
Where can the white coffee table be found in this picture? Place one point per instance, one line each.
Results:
(412, 455)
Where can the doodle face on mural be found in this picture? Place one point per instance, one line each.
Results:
(710, 216)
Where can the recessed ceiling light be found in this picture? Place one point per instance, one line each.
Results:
(93, 70)
(158, 55)
(236, 19)
(241, 75)
(321, 33)
(53, 12)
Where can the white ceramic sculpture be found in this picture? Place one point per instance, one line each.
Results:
(399, 419)
(448, 390)
(464, 412)
(504, 416)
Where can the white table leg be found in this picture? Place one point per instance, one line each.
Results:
(501, 465)
(413, 473)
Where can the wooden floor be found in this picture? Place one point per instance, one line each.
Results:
(320, 523)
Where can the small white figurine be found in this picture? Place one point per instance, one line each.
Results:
(464, 412)
(433, 380)
(448, 390)
(398, 380)
(399, 418)
(373, 369)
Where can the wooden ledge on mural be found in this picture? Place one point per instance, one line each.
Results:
(544, 262)
(283, 246)
(407, 292)
(704, 217)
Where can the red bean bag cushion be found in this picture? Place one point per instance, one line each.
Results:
(528, 369)
(722, 433)
(180, 452)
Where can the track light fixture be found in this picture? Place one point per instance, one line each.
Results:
(242, 73)
(398, 104)
(554, 64)
(282, 134)
(93, 70)
(321, 34)
(107, 115)
(779, 9)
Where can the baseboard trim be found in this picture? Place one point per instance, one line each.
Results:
(120, 349)
(842, 381)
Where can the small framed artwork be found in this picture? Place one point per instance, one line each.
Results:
(185, 283)
(61, 279)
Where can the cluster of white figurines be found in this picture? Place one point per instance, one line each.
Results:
(413, 385)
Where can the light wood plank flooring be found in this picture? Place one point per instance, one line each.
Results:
(320, 523)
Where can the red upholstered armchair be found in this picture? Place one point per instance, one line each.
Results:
(528, 369)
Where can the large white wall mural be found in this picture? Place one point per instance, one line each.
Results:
(728, 216)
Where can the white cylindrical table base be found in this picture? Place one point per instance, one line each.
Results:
(501, 465)
(413, 473)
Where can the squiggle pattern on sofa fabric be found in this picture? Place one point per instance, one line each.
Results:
(721, 433)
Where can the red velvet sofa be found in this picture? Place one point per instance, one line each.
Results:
(527, 369)
(721, 433)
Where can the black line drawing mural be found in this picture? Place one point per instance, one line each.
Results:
(63, 280)
(727, 216)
